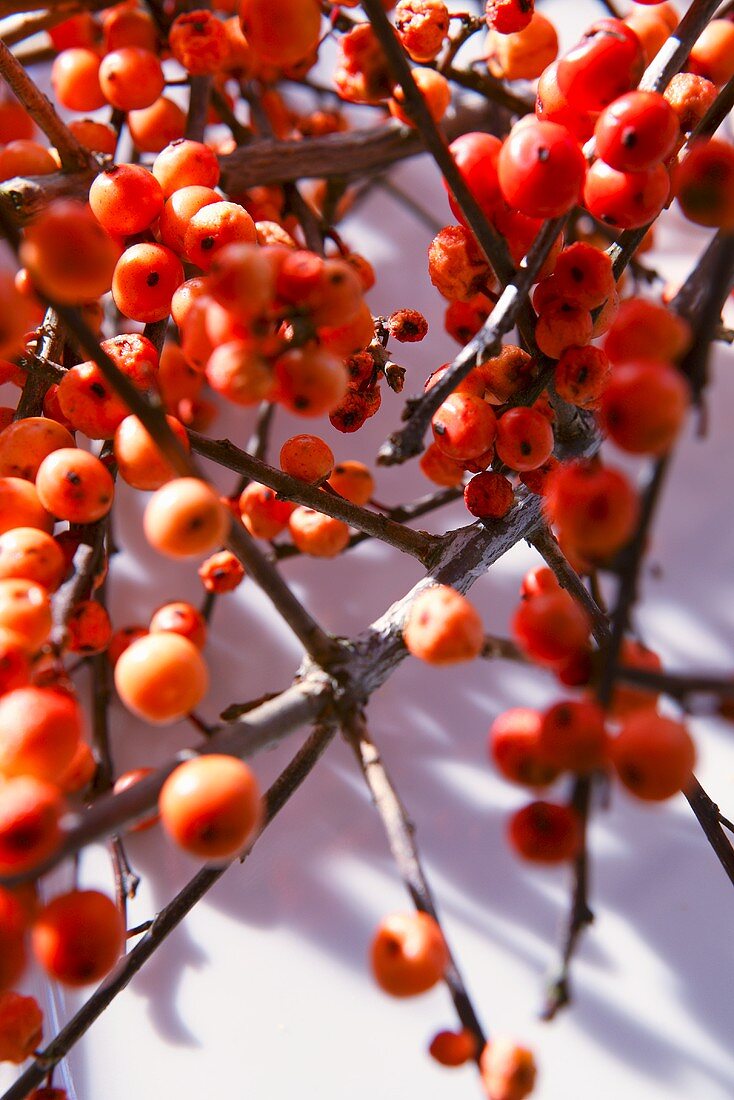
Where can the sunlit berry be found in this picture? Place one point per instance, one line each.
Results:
(524, 438)
(453, 1048)
(508, 1070)
(211, 806)
(185, 518)
(572, 736)
(75, 485)
(581, 375)
(636, 131)
(443, 627)
(161, 677)
(316, 534)
(75, 79)
(541, 169)
(25, 443)
(281, 32)
(125, 199)
(139, 460)
(627, 200)
(221, 572)
(68, 254)
(131, 78)
(30, 811)
(21, 1027)
(408, 954)
(704, 183)
(78, 937)
(464, 426)
(593, 506)
(551, 628)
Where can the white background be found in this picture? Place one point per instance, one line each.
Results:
(264, 992)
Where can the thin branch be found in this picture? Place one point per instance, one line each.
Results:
(73, 155)
(198, 107)
(707, 815)
(580, 915)
(221, 451)
(50, 350)
(569, 579)
(400, 833)
(164, 923)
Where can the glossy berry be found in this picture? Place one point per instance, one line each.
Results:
(572, 736)
(644, 405)
(583, 275)
(637, 131)
(75, 79)
(607, 62)
(25, 443)
(154, 127)
(524, 438)
(30, 810)
(408, 954)
(436, 92)
(161, 677)
(180, 618)
(653, 755)
(185, 518)
(78, 937)
(476, 155)
(628, 200)
(144, 281)
(353, 480)
(541, 169)
(30, 554)
(712, 55)
(281, 32)
(508, 16)
(523, 54)
(131, 78)
(185, 163)
(514, 747)
(125, 199)
(310, 381)
(211, 806)
(75, 485)
(214, 226)
(544, 832)
(442, 627)
(464, 426)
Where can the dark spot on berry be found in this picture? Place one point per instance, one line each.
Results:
(153, 279)
(577, 275)
(525, 448)
(543, 154)
(301, 402)
(72, 477)
(98, 389)
(439, 428)
(207, 244)
(629, 138)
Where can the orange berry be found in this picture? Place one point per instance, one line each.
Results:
(654, 756)
(161, 677)
(68, 254)
(712, 54)
(15, 667)
(25, 443)
(440, 469)
(185, 518)
(180, 618)
(145, 280)
(198, 41)
(75, 485)
(221, 572)
(41, 729)
(75, 79)
(514, 746)
(239, 373)
(89, 628)
(544, 832)
(572, 736)
(178, 211)
(524, 439)
(306, 457)
(627, 699)
(25, 158)
(21, 1027)
(154, 127)
(310, 381)
(316, 534)
(139, 461)
(434, 88)
(408, 954)
(551, 628)
(25, 612)
(131, 78)
(464, 426)
(211, 806)
(643, 406)
(263, 514)
(353, 480)
(78, 937)
(646, 330)
(125, 26)
(442, 627)
(704, 182)
(80, 772)
(281, 32)
(125, 199)
(32, 555)
(30, 811)
(213, 227)
(453, 1048)
(595, 508)
(98, 137)
(186, 163)
(508, 1071)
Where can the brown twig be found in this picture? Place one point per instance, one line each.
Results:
(568, 578)
(400, 833)
(164, 923)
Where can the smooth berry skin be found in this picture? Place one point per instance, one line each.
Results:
(544, 832)
(464, 426)
(78, 937)
(408, 954)
(541, 169)
(643, 407)
(637, 131)
(476, 156)
(607, 62)
(628, 200)
(653, 756)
